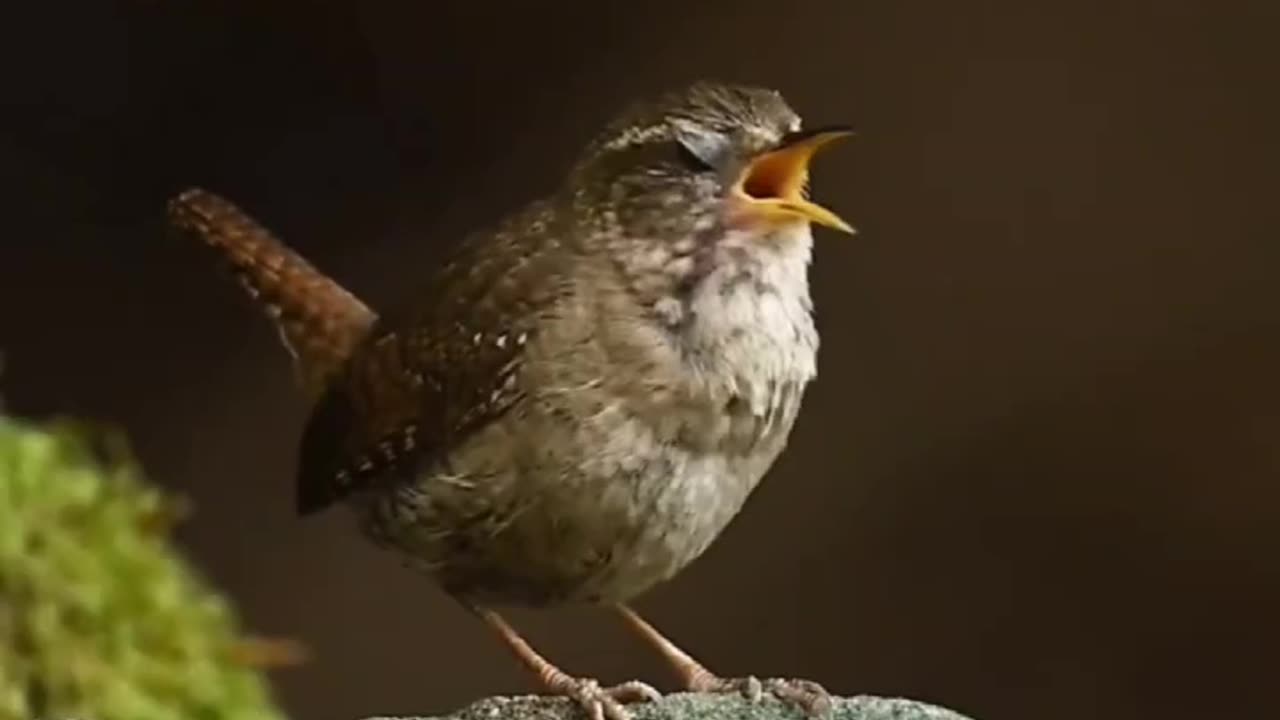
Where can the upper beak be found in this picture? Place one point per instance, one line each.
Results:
(775, 182)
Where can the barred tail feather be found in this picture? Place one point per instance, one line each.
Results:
(319, 321)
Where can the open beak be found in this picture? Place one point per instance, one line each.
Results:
(774, 183)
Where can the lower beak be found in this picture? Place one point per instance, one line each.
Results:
(774, 183)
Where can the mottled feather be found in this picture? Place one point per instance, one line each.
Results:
(434, 370)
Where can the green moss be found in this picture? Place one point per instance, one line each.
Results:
(100, 618)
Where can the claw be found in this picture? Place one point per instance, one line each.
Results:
(600, 703)
(807, 695)
(603, 703)
(634, 691)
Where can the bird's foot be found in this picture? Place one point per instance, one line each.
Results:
(602, 703)
(807, 695)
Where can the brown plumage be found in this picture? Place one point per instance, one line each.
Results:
(433, 371)
(318, 320)
(575, 406)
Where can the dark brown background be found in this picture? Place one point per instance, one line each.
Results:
(1038, 475)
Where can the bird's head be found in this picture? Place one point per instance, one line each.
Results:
(704, 160)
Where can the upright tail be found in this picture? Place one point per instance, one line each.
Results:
(319, 321)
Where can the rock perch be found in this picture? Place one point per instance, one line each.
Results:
(693, 706)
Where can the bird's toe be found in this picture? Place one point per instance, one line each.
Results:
(606, 703)
(807, 695)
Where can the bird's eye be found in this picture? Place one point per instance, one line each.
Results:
(698, 148)
(691, 159)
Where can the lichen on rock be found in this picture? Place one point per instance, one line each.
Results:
(695, 706)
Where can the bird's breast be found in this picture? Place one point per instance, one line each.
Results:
(636, 443)
(747, 341)
(729, 385)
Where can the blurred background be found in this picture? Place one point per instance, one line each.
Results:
(1037, 477)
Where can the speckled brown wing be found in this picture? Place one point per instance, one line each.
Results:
(436, 371)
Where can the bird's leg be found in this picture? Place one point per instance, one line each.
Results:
(601, 703)
(808, 695)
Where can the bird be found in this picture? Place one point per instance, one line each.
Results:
(582, 397)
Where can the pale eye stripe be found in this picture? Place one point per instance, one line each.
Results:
(637, 135)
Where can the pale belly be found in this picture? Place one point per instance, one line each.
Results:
(632, 451)
(538, 510)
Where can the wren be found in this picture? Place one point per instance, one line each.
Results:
(581, 399)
